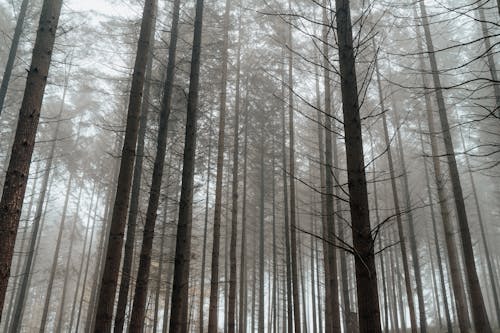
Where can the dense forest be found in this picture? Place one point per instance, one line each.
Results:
(296, 166)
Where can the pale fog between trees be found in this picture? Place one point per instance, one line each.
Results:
(268, 166)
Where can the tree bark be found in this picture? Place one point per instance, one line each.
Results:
(366, 276)
(16, 177)
(179, 313)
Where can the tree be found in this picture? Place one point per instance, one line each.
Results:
(29, 115)
(366, 276)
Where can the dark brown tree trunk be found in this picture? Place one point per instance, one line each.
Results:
(106, 299)
(12, 53)
(214, 279)
(16, 177)
(141, 287)
(234, 208)
(479, 315)
(366, 276)
(179, 313)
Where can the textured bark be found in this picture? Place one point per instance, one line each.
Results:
(179, 313)
(141, 287)
(366, 276)
(9, 66)
(214, 279)
(479, 315)
(16, 177)
(234, 208)
(106, 299)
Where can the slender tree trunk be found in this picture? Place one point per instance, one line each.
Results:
(479, 315)
(214, 279)
(128, 254)
(262, 194)
(487, 255)
(234, 208)
(141, 287)
(242, 325)
(434, 227)
(366, 276)
(286, 215)
(449, 233)
(396, 287)
(16, 177)
(201, 317)
(179, 313)
(291, 172)
(12, 53)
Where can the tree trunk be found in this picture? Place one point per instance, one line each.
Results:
(214, 279)
(128, 255)
(479, 315)
(16, 177)
(179, 313)
(262, 194)
(141, 287)
(234, 208)
(366, 276)
(12, 53)
(242, 325)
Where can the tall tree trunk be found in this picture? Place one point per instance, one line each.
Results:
(234, 208)
(201, 317)
(289, 315)
(141, 287)
(332, 315)
(106, 299)
(434, 225)
(243, 292)
(487, 255)
(128, 254)
(449, 233)
(16, 177)
(479, 315)
(12, 53)
(291, 173)
(214, 279)
(262, 194)
(366, 276)
(397, 210)
(179, 313)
